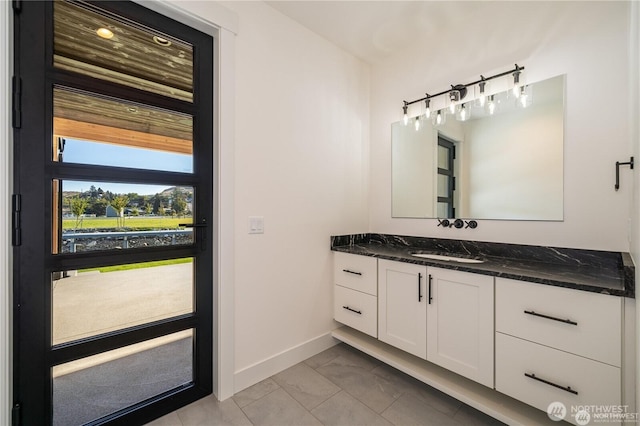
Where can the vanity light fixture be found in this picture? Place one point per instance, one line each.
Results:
(481, 96)
(454, 98)
(524, 100)
(440, 118)
(463, 113)
(405, 118)
(457, 93)
(491, 105)
(516, 83)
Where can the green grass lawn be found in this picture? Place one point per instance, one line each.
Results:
(135, 222)
(139, 265)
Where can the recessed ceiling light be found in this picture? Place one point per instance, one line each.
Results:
(161, 41)
(104, 33)
(132, 109)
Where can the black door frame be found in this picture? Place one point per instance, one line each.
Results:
(33, 263)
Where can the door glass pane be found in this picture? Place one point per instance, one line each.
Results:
(443, 186)
(93, 216)
(94, 301)
(93, 387)
(96, 130)
(90, 42)
(443, 157)
(443, 210)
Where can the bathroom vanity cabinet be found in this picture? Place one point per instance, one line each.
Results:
(402, 306)
(558, 344)
(443, 316)
(487, 340)
(355, 301)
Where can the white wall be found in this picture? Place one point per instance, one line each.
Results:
(301, 162)
(589, 42)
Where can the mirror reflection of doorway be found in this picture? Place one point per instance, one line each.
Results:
(446, 177)
(113, 270)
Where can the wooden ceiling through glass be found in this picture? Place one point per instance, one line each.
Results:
(113, 50)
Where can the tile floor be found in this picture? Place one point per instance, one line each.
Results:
(340, 386)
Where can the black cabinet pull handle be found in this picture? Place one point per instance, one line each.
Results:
(352, 310)
(564, 388)
(566, 321)
(419, 287)
(351, 272)
(430, 298)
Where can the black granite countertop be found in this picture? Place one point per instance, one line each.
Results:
(588, 270)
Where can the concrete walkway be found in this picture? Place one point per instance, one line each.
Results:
(93, 303)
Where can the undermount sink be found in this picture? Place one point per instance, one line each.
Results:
(446, 258)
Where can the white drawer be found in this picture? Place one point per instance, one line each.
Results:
(355, 309)
(595, 330)
(356, 272)
(595, 383)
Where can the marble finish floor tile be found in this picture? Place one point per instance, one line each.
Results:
(255, 392)
(279, 409)
(374, 391)
(305, 385)
(343, 409)
(411, 410)
(338, 387)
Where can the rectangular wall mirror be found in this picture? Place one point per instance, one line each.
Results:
(507, 165)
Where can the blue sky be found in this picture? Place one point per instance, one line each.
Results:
(122, 156)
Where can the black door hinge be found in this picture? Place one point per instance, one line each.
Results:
(15, 415)
(16, 234)
(453, 152)
(453, 183)
(17, 6)
(17, 102)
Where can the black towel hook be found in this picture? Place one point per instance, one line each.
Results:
(618, 164)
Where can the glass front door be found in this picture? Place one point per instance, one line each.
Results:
(113, 252)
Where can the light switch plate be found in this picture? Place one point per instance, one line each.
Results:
(256, 224)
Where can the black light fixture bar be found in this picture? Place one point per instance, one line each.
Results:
(517, 69)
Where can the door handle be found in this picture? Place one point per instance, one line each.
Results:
(202, 236)
(419, 287)
(547, 382)
(430, 298)
(536, 314)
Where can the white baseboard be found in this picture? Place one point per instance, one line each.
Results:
(261, 370)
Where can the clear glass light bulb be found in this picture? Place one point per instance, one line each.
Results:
(427, 112)
(491, 105)
(417, 123)
(405, 119)
(523, 99)
(439, 118)
(481, 94)
(516, 84)
(463, 113)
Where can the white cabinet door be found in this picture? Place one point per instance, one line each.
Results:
(402, 306)
(460, 326)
